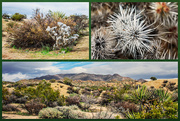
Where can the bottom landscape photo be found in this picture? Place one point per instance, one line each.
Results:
(89, 90)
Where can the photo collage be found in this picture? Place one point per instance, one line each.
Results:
(89, 60)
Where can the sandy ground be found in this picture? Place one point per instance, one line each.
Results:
(159, 82)
(63, 90)
(15, 116)
(80, 51)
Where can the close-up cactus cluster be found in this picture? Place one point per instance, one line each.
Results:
(61, 35)
(143, 30)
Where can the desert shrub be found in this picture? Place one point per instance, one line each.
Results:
(153, 78)
(5, 93)
(81, 22)
(85, 92)
(74, 100)
(152, 87)
(43, 91)
(61, 100)
(50, 113)
(9, 107)
(67, 81)
(53, 80)
(33, 33)
(10, 25)
(60, 81)
(165, 81)
(163, 85)
(117, 95)
(30, 34)
(5, 16)
(70, 112)
(61, 86)
(87, 100)
(21, 100)
(126, 105)
(103, 115)
(96, 93)
(34, 106)
(165, 110)
(18, 17)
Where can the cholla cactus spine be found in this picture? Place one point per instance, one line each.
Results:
(133, 34)
(61, 35)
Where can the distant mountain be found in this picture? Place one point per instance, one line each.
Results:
(85, 77)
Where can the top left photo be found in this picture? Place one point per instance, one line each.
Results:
(45, 30)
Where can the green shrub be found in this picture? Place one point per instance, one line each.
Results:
(53, 80)
(67, 81)
(43, 91)
(18, 17)
(5, 93)
(153, 78)
(166, 110)
(50, 113)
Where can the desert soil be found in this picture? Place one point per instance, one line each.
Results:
(80, 51)
(15, 116)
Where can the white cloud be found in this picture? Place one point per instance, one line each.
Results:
(49, 69)
(13, 77)
(27, 7)
(75, 70)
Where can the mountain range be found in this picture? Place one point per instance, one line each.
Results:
(85, 77)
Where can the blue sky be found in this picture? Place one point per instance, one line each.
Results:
(27, 7)
(14, 71)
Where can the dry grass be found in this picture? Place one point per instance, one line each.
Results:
(158, 83)
(63, 90)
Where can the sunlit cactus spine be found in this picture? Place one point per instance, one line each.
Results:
(132, 32)
(102, 44)
(62, 35)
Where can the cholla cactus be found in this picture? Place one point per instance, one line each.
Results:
(62, 35)
(163, 12)
(139, 30)
(133, 34)
(102, 44)
(169, 32)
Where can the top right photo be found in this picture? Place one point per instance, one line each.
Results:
(134, 30)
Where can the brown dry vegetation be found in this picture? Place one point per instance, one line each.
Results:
(80, 51)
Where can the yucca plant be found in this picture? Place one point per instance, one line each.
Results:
(162, 95)
(140, 95)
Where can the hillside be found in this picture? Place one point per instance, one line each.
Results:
(85, 77)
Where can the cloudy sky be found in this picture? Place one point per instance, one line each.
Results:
(14, 71)
(27, 7)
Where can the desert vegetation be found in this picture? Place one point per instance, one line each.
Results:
(77, 99)
(46, 35)
(134, 30)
